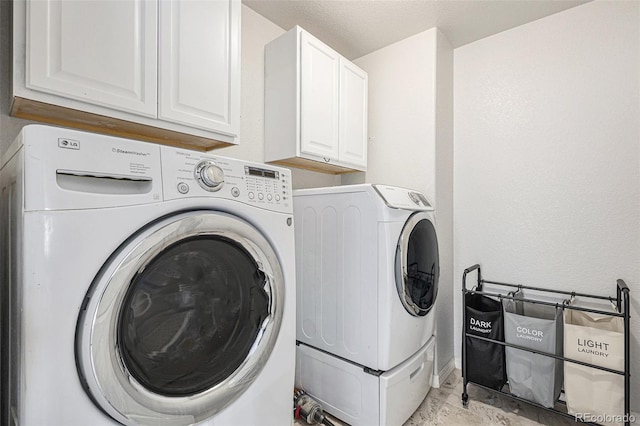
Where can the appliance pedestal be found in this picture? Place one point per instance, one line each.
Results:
(362, 398)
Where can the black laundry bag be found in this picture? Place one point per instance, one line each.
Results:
(485, 360)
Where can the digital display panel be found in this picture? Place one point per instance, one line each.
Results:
(255, 171)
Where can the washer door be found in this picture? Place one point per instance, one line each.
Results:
(181, 320)
(417, 265)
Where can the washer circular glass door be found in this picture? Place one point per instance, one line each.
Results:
(181, 320)
(417, 264)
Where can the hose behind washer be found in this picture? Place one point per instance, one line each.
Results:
(308, 409)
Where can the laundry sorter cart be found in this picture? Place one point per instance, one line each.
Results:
(589, 382)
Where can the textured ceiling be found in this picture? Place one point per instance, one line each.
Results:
(357, 27)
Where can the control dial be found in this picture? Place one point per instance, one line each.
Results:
(209, 175)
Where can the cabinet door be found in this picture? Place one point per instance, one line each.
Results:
(200, 64)
(353, 114)
(98, 51)
(319, 105)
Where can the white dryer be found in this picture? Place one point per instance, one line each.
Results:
(367, 277)
(146, 284)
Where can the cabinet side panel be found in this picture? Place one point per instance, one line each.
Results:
(281, 132)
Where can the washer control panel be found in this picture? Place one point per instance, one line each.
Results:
(265, 184)
(194, 174)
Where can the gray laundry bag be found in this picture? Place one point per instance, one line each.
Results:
(535, 377)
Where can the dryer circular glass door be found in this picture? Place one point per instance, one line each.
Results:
(181, 319)
(417, 264)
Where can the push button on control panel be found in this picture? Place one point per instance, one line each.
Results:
(235, 191)
(183, 188)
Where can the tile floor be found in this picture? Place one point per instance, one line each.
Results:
(443, 406)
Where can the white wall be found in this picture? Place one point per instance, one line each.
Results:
(411, 143)
(444, 201)
(546, 153)
(401, 114)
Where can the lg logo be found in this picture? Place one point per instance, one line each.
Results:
(68, 143)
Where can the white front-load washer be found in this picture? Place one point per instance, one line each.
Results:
(146, 284)
(367, 278)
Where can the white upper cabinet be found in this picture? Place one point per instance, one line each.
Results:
(199, 64)
(315, 106)
(353, 112)
(167, 71)
(62, 58)
(319, 98)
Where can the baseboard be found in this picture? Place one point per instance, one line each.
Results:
(459, 363)
(440, 376)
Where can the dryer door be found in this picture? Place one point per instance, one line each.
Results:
(417, 264)
(181, 319)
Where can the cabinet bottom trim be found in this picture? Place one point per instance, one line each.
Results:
(314, 166)
(67, 117)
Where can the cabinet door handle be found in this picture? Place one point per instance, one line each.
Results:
(327, 160)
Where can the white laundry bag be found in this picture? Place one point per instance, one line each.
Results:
(599, 340)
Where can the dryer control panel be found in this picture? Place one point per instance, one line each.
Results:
(193, 174)
(403, 198)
